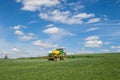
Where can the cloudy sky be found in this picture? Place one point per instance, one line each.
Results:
(34, 27)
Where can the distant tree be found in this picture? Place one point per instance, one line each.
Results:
(6, 57)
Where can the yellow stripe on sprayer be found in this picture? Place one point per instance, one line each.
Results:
(55, 52)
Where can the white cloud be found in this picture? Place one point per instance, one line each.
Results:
(53, 30)
(22, 50)
(44, 44)
(92, 38)
(83, 15)
(31, 34)
(118, 50)
(18, 27)
(18, 0)
(83, 51)
(66, 17)
(115, 47)
(57, 31)
(5, 52)
(35, 21)
(50, 25)
(27, 37)
(18, 32)
(91, 29)
(93, 41)
(57, 16)
(22, 35)
(105, 50)
(53, 10)
(14, 49)
(94, 20)
(33, 5)
(75, 5)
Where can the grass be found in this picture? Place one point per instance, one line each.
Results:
(79, 67)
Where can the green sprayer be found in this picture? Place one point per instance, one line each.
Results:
(57, 54)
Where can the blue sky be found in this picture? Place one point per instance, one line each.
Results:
(34, 27)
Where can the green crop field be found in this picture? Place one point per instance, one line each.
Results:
(78, 67)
